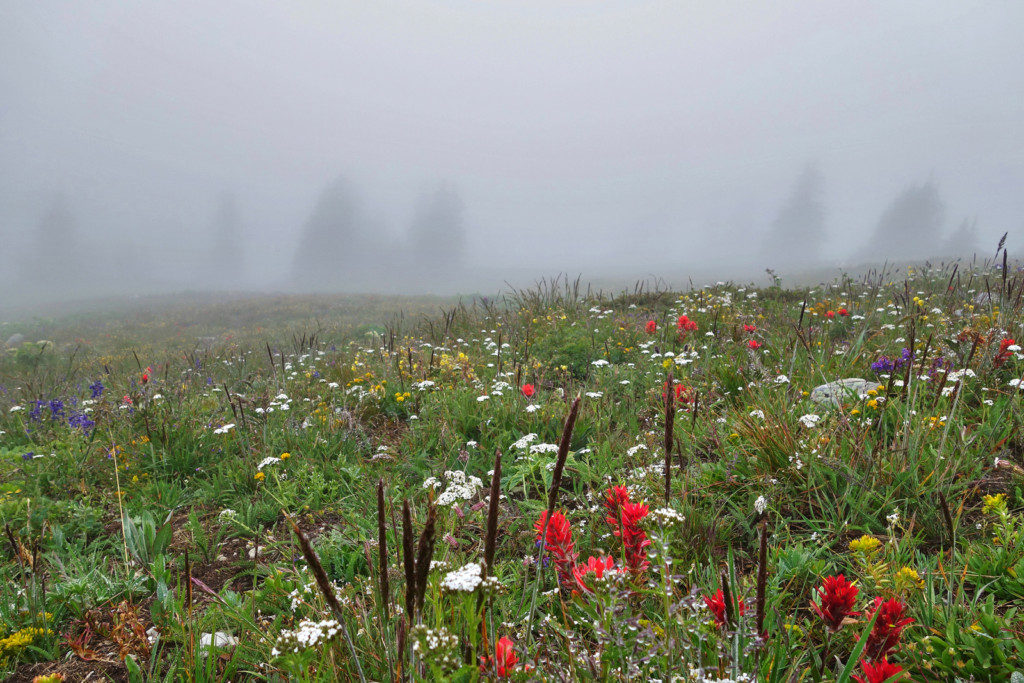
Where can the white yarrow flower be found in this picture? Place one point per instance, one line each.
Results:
(761, 504)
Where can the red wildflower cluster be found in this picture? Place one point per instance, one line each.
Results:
(843, 312)
(528, 390)
(684, 324)
(146, 373)
(877, 672)
(750, 329)
(651, 327)
(558, 544)
(886, 632)
(597, 567)
(683, 393)
(753, 345)
(1004, 352)
(830, 314)
(505, 658)
(614, 498)
(836, 597)
(624, 519)
(716, 605)
(634, 539)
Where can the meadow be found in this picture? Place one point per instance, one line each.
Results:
(553, 484)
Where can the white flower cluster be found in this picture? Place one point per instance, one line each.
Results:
(267, 461)
(457, 487)
(225, 429)
(299, 595)
(280, 402)
(307, 635)
(667, 517)
(465, 579)
(810, 420)
(227, 515)
(760, 505)
(431, 639)
(544, 448)
(958, 375)
(524, 442)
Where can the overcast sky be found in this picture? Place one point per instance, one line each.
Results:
(574, 131)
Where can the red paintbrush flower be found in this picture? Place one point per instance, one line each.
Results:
(651, 327)
(754, 345)
(594, 569)
(683, 393)
(716, 605)
(684, 324)
(879, 672)
(1004, 352)
(634, 539)
(614, 498)
(558, 544)
(830, 314)
(505, 658)
(750, 329)
(145, 374)
(528, 390)
(836, 597)
(843, 312)
(885, 634)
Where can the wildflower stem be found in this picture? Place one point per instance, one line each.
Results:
(670, 411)
(556, 480)
(382, 551)
(326, 589)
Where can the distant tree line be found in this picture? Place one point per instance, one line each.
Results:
(912, 226)
(342, 245)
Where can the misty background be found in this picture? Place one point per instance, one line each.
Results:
(455, 146)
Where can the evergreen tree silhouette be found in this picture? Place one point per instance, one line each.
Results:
(438, 232)
(911, 226)
(228, 248)
(798, 233)
(338, 245)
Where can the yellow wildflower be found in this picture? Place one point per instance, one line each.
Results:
(994, 504)
(865, 544)
(909, 576)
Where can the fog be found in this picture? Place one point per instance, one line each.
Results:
(455, 146)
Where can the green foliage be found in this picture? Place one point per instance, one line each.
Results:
(224, 439)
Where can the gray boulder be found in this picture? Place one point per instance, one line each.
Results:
(840, 390)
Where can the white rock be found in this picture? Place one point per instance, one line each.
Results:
(220, 640)
(842, 390)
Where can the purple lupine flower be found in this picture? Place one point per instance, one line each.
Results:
(940, 364)
(884, 364)
(81, 421)
(96, 388)
(56, 408)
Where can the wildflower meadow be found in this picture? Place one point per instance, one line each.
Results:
(733, 482)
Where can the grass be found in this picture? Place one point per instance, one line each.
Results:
(310, 486)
